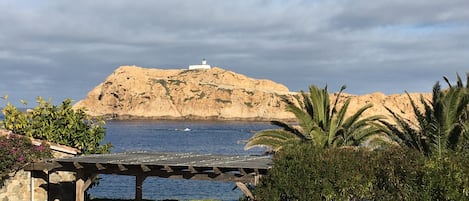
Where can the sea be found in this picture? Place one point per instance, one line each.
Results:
(215, 137)
(182, 136)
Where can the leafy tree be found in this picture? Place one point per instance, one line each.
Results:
(442, 125)
(58, 124)
(319, 123)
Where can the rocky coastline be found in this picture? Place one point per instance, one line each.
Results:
(133, 92)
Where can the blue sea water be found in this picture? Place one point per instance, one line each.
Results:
(216, 137)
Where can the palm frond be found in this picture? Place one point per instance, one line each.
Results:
(454, 137)
(290, 129)
(319, 123)
(318, 137)
(459, 83)
(343, 111)
(320, 101)
(467, 80)
(354, 118)
(462, 107)
(334, 110)
(442, 125)
(447, 81)
(332, 132)
(402, 132)
(274, 138)
(303, 119)
(274, 133)
(308, 105)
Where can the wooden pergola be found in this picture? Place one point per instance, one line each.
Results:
(239, 169)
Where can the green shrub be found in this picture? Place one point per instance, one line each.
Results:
(17, 151)
(58, 124)
(302, 172)
(447, 178)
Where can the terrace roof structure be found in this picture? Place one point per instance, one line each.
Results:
(239, 169)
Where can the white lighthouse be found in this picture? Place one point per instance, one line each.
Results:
(204, 65)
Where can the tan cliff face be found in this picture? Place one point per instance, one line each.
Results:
(398, 103)
(135, 92)
(214, 93)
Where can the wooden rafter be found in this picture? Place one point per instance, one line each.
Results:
(240, 169)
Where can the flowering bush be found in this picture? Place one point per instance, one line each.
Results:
(17, 151)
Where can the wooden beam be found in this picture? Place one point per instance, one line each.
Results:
(77, 165)
(216, 170)
(79, 184)
(121, 167)
(242, 172)
(145, 168)
(100, 167)
(192, 169)
(257, 179)
(245, 190)
(210, 177)
(138, 187)
(89, 181)
(168, 169)
(41, 166)
(82, 183)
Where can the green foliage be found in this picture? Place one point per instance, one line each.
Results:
(248, 104)
(248, 92)
(306, 172)
(188, 99)
(443, 124)
(430, 164)
(320, 123)
(201, 95)
(17, 151)
(176, 82)
(447, 178)
(219, 100)
(230, 91)
(58, 124)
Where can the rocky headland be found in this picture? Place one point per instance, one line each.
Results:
(136, 92)
(132, 92)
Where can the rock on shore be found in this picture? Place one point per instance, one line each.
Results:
(212, 94)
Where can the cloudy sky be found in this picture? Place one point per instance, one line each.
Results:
(62, 49)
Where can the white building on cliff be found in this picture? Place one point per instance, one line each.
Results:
(204, 65)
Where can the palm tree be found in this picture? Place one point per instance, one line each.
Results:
(442, 125)
(318, 123)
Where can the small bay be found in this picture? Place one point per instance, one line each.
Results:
(214, 137)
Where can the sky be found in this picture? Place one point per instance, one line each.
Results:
(62, 49)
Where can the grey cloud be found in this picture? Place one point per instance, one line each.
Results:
(370, 14)
(388, 46)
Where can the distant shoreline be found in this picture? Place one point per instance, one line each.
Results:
(189, 118)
